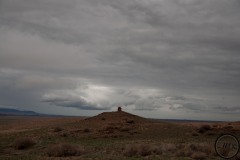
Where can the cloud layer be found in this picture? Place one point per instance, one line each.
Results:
(181, 56)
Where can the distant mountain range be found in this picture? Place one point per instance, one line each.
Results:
(7, 111)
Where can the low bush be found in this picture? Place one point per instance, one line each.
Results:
(130, 151)
(237, 157)
(196, 151)
(64, 150)
(23, 143)
(199, 156)
(130, 121)
(57, 129)
(228, 127)
(195, 134)
(204, 128)
(211, 133)
(138, 150)
(168, 147)
(86, 130)
(124, 129)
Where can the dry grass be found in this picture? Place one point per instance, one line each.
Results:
(195, 151)
(199, 156)
(19, 123)
(141, 150)
(23, 143)
(64, 150)
(228, 127)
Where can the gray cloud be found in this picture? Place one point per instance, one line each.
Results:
(105, 98)
(232, 109)
(147, 55)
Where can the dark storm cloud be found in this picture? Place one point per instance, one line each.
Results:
(147, 55)
(66, 102)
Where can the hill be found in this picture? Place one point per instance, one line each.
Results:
(113, 124)
(7, 111)
(117, 117)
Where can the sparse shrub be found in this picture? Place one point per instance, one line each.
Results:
(237, 157)
(109, 129)
(180, 153)
(64, 150)
(206, 148)
(185, 152)
(168, 147)
(103, 119)
(195, 134)
(86, 130)
(199, 155)
(130, 121)
(23, 143)
(211, 133)
(64, 134)
(142, 150)
(180, 146)
(200, 130)
(228, 127)
(204, 128)
(156, 150)
(116, 135)
(124, 129)
(196, 151)
(130, 151)
(193, 147)
(57, 129)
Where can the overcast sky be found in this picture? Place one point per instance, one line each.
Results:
(156, 58)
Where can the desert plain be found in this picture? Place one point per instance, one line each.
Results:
(110, 136)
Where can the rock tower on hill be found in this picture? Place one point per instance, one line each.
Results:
(119, 109)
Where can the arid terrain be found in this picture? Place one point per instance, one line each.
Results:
(109, 136)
